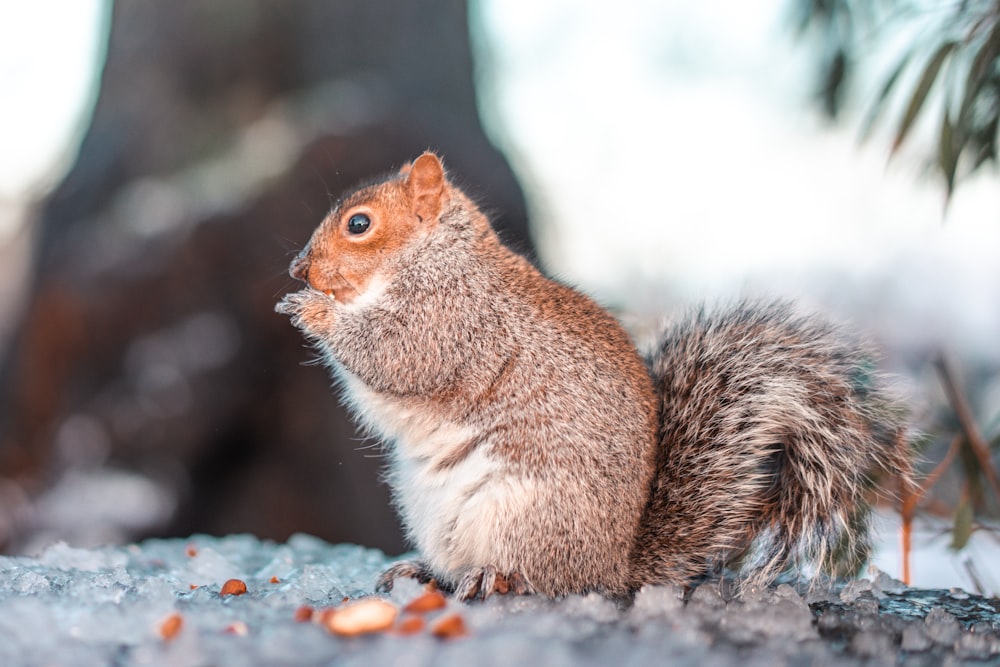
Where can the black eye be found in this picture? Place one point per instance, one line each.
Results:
(358, 224)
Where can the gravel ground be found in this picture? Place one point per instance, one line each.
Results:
(160, 603)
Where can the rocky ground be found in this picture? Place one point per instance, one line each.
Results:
(172, 602)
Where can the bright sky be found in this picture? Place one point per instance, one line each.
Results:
(48, 50)
(675, 142)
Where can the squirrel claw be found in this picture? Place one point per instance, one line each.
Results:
(309, 309)
(480, 583)
(294, 302)
(412, 569)
(519, 585)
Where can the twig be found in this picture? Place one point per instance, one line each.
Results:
(910, 503)
(912, 494)
(967, 422)
(977, 582)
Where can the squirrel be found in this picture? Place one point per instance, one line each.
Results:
(532, 449)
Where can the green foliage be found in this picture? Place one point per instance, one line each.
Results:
(961, 530)
(959, 57)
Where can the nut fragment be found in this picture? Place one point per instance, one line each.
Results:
(321, 616)
(430, 601)
(238, 628)
(275, 580)
(171, 626)
(361, 617)
(191, 551)
(410, 625)
(450, 627)
(304, 614)
(233, 587)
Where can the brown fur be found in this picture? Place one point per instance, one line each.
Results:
(525, 438)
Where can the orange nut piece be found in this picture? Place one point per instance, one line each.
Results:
(450, 627)
(361, 617)
(410, 625)
(171, 626)
(233, 587)
(238, 628)
(430, 601)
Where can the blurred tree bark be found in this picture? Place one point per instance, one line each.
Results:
(148, 341)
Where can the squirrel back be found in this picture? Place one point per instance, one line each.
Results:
(530, 446)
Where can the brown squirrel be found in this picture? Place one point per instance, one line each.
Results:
(532, 449)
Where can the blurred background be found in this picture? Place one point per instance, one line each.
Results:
(163, 162)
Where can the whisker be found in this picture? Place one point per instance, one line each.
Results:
(349, 283)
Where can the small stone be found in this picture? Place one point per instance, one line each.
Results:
(707, 595)
(882, 583)
(656, 602)
(976, 646)
(821, 589)
(982, 628)
(853, 589)
(868, 644)
(786, 593)
(941, 626)
(915, 639)
(828, 621)
(973, 646)
(752, 595)
(866, 604)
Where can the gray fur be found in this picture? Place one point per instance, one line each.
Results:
(526, 442)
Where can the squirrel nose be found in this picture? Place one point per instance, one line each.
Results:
(299, 268)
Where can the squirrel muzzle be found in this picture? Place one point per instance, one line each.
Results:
(299, 268)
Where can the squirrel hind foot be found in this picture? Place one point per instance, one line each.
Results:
(410, 569)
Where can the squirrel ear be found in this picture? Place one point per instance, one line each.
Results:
(425, 182)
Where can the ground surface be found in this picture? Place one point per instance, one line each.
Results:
(159, 603)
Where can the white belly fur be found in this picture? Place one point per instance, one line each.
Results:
(454, 514)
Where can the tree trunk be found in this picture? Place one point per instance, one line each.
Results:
(149, 340)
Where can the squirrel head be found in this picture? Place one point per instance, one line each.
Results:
(368, 228)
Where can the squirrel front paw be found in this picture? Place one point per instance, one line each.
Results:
(311, 311)
(477, 584)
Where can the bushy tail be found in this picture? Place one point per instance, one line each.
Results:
(773, 433)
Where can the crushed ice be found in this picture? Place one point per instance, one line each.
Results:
(111, 605)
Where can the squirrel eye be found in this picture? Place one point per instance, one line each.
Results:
(359, 223)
